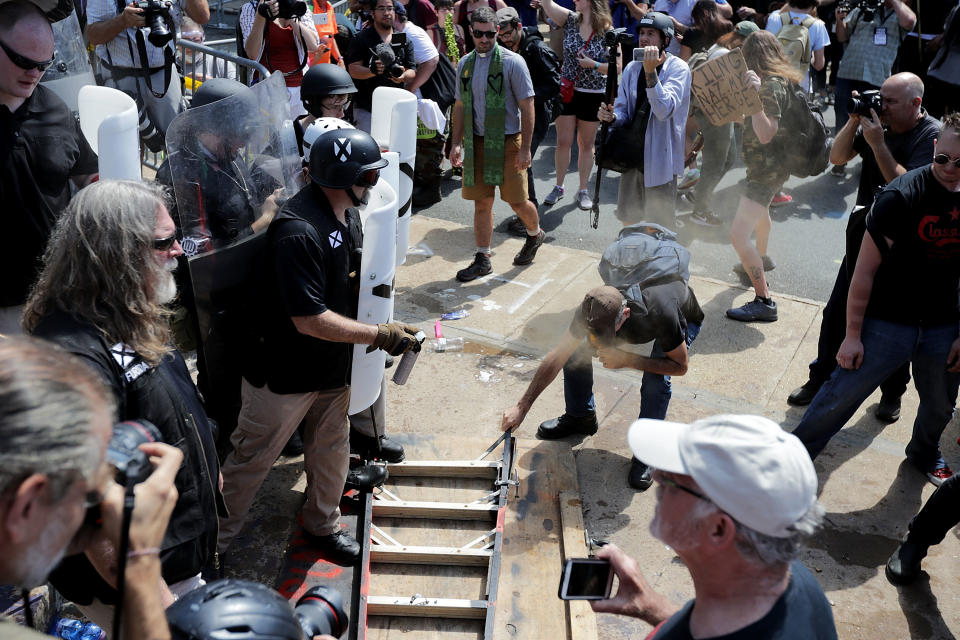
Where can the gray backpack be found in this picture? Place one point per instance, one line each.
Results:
(643, 255)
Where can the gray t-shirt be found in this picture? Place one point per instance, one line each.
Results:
(519, 86)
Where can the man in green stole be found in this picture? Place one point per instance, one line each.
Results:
(492, 128)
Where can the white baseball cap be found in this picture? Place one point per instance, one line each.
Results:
(748, 466)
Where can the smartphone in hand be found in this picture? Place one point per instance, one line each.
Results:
(585, 579)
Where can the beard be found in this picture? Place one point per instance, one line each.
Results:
(167, 290)
(42, 558)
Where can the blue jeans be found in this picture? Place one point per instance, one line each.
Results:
(886, 347)
(655, 388)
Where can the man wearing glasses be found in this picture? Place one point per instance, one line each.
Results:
(41, 151)
(902, 308)
(666, 314)
(127, 256)
(897, 138)
(492, 130)
(736, 498)
(367, 69)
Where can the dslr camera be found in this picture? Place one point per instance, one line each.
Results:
(388, 55)
(868, 8)
(287, 9)
(862, 104)
(156, 13)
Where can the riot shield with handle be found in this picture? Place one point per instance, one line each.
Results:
(232, 163)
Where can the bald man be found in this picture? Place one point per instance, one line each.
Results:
(41, 149)
(897, 139)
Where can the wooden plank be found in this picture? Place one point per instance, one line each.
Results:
(445, 469)
(581, 619)
(426, 607)
(436, 510)
(429, 555)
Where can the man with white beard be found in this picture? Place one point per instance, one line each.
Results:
(735, 497)
(107, 274)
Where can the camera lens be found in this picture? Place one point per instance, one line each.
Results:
(320, 611)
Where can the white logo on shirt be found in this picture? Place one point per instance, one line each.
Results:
(342, 149)
(336, 239)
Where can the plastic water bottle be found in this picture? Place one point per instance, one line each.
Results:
(446, 345)
(71, 629)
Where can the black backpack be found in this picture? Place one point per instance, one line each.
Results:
(805, 143)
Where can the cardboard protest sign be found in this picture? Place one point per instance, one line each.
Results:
(721, 92)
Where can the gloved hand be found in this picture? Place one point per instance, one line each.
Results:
(396, 338)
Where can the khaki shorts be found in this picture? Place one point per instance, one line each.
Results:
(513, 190)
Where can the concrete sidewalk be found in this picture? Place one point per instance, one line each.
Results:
(517, 315)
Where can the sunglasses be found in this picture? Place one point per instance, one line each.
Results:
(331, 103)
(670, 482)
(24, 62)
(484, 34)
(164, 244)
(368, 178)
(942, 158)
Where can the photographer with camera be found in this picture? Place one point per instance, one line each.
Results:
(379, 57)
(135, 48)
(656, 89)
(127, 256)
(55, 423)
(872, 31)
(280, 35)
(893, 134)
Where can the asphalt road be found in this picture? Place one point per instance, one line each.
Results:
(807, 240)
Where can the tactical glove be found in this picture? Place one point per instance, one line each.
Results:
(396, 338)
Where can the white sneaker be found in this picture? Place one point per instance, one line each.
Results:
(584, 201)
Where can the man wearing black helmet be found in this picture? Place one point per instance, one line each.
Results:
(658, 85)
(326, 92)
(303, 364)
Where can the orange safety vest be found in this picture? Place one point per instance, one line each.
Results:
(326, 23)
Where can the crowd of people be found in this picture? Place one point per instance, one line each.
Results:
(99, 280)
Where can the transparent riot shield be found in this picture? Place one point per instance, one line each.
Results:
(231, 164)
(71, 67)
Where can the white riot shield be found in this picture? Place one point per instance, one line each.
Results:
(393, 125)
(71, 68)
(377, 268)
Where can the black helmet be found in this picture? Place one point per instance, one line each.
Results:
(659, 21)
(339, 158)
(323, 80)
(235, 609)
(217, 89)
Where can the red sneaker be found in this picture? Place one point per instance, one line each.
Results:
(938, 476)
(781, 199)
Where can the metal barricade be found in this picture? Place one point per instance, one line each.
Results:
(198, 62)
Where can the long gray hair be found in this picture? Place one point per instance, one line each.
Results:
(48, 400)
(99, 266)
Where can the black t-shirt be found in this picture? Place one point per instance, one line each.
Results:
(313, 266)
(661, 315)
(912, 149)
(361, 50)
(41, 146)
(694, 39)
(802, 612)
(916, 283)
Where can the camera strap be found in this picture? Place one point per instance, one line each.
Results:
(266, 51)
(168, 60)
(128, 500)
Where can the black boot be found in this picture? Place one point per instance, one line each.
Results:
(366, 447)
(803, 395)
(640, 476)
(366, 477)
(567, 425)
(903, 567)
(339, 547)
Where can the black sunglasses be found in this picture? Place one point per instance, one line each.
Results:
(484, 34)
(24, 62)
(164, 244)
(368, 178)
(942, 158)
(670, 482)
